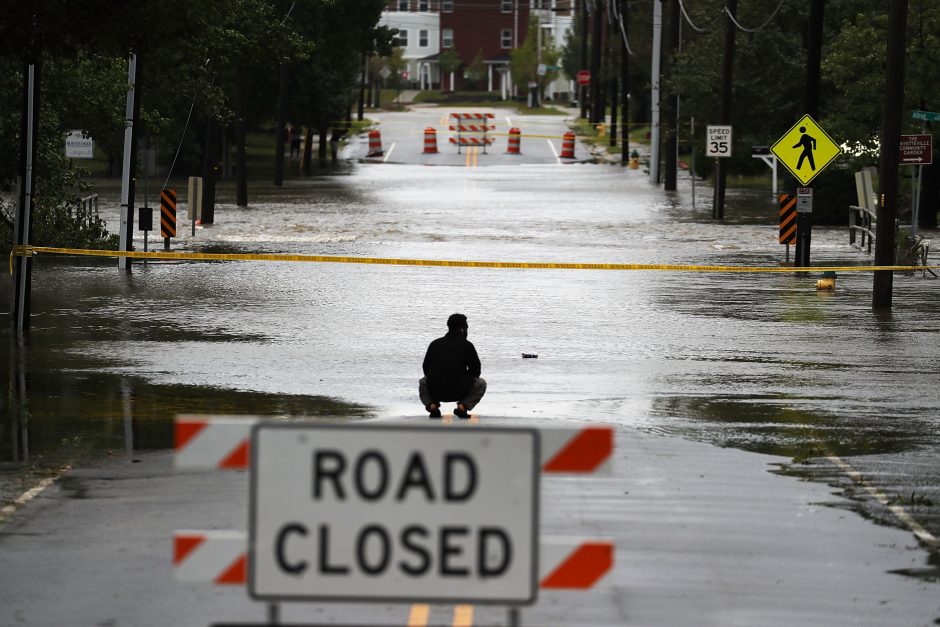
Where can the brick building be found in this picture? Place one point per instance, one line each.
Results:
(491, 28)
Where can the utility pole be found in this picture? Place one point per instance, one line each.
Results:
(241, 122)
(282, 96)
(210, 167)
(814, 56)
(654, 90)
(721, 169)
(610, 54)
(624, 88)
(597, 102)
(890, 145)
(128, 180)
(582, 89)
(672, 100)
(23, 225)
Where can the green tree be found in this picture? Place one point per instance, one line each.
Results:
(449, 62)
(476, 71)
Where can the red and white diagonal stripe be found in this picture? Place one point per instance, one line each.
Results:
(210, 557)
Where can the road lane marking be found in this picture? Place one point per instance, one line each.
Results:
(418, 617)
(27, 496)
(463, 616)
(509, 121)
(554, 152)
(471, 159)
(389, 153)
(899, 512)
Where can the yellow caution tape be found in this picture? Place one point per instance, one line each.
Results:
(448, 263)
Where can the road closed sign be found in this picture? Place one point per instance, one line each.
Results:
(393, 513)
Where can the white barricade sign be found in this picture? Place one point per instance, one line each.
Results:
(393, 513)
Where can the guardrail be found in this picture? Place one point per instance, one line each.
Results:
(861, 222)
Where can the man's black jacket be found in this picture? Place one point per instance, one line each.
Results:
(451, 366)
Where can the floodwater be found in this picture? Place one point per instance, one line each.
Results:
(761, 362)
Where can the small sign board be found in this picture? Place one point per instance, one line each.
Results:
(916, 150)
(806, 149)
(718, 142)
(584, 77)
(393, 513)
(804, 199)
(78, 145)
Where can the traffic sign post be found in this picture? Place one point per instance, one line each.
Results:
(444, 516)
(804, 226)
(395, 512)
(718, 143)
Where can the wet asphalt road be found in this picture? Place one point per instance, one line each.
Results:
(780, 377)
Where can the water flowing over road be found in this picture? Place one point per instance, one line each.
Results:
(761, 362)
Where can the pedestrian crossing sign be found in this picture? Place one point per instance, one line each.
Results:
(806, 149)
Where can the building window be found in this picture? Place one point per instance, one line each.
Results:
(505, 38)
(423, 38)
(424, 6)
(402, 5)
(447, 38)
(505, 6)
(447, 6)
(401, 40)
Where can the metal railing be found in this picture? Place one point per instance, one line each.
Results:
(87, 209)
(861, 223)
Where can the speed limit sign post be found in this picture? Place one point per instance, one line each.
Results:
(718, 142)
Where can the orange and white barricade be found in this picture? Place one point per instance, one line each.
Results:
(471, 129)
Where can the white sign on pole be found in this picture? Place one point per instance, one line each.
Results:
(393, 513)
(718, 142)
(79, 146)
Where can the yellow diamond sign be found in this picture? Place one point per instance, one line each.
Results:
(806, 149)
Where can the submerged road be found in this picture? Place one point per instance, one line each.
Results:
(776, 447)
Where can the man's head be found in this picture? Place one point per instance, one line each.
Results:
(457, 322)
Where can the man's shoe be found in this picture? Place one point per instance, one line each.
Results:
(434, 411)
(461, 412)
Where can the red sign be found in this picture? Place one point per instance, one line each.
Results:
(916, 150)
(584, 77)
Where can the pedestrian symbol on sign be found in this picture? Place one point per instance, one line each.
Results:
(809, 145)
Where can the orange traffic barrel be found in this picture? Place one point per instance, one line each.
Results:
(430, 140)
(567, 146)
(375, 144)
(514, 135)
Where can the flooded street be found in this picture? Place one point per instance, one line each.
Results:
(760, 362)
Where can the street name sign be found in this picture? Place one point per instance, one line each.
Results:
(393, 513)
(927, 116)
(806, 149)
(916, 150)
(718, 143)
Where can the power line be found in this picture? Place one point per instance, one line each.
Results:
(759, 28)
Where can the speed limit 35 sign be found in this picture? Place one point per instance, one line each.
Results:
(718, 141)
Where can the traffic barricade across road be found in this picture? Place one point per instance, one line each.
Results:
(392, 512)
(472, 129)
